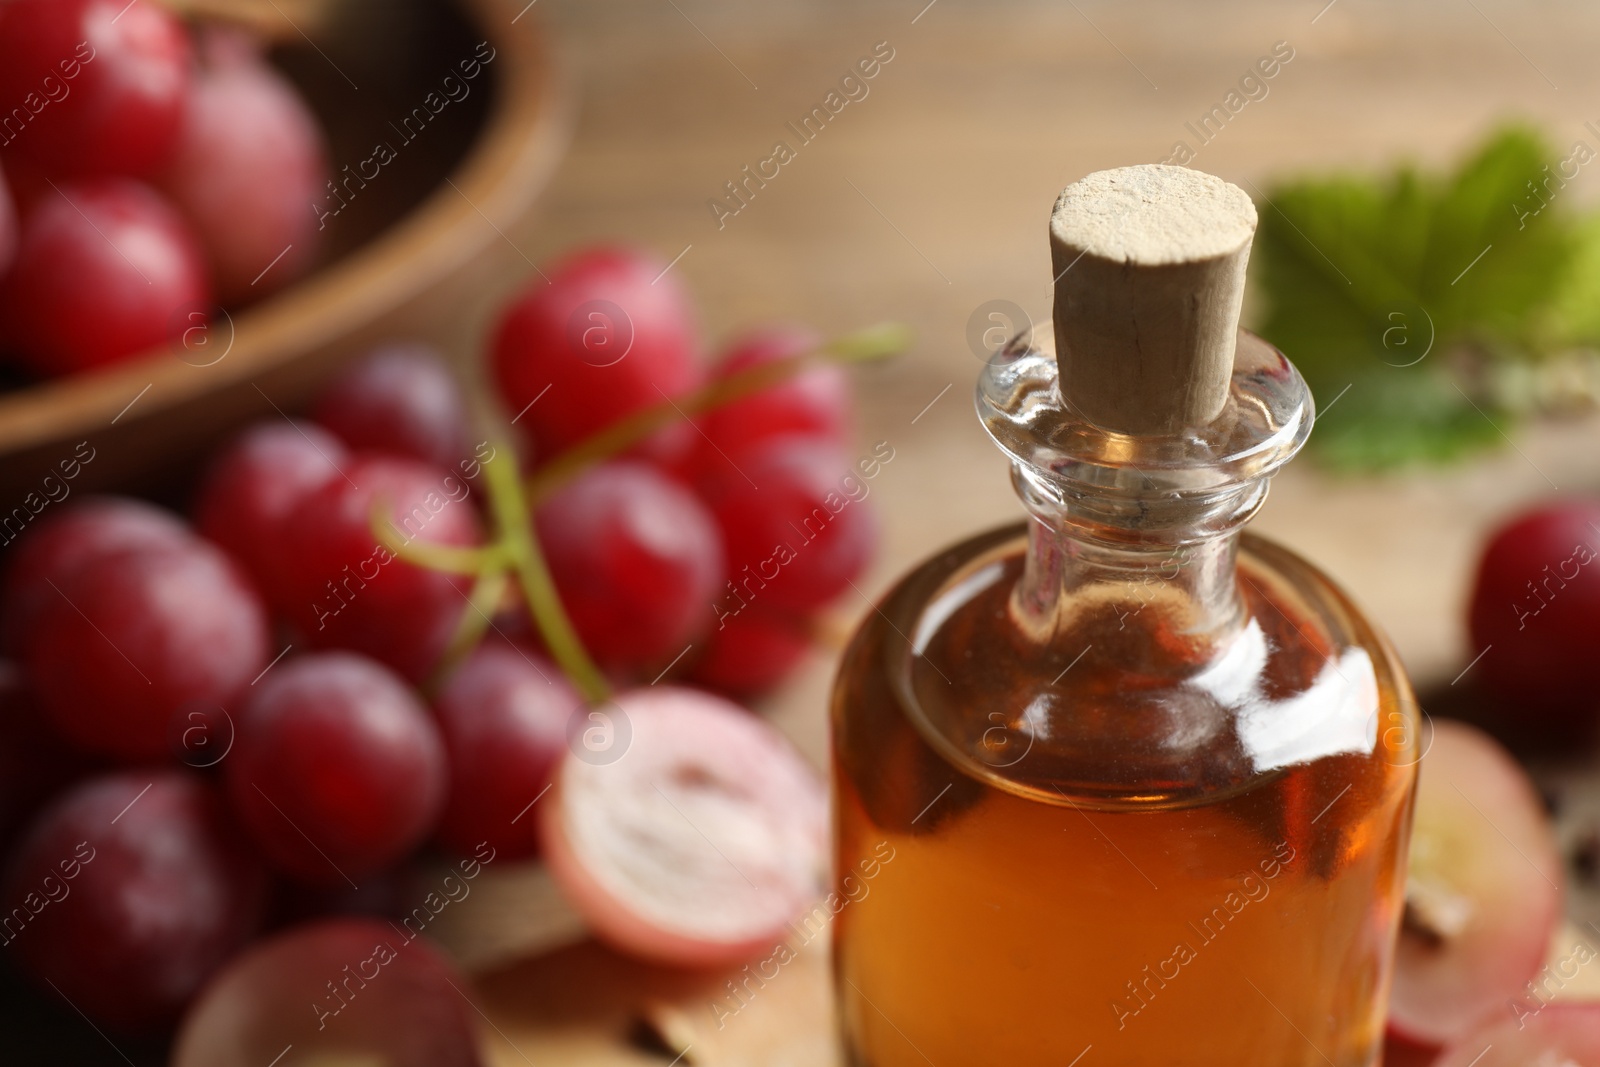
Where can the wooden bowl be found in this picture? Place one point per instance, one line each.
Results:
(408, 250)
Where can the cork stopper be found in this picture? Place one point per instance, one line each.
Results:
(1149, 264)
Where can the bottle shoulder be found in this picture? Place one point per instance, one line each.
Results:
(1119, 708)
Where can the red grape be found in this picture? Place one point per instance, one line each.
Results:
(68, 540)
(814, 403)
(399, 399)
(137, 636)
(105, 269)
(131, 890)
(253, 487)
(608, 335)
(336, 769)
(503, 715)
(248, 164)
(750, 650)
(345, 590)
(1482, 896)
(795, 520)
(1536, 608)
(92, 86)
(636, 560)
(696, 839)
(378, 995)
(8, 225)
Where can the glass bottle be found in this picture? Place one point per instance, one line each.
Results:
(1122, 785)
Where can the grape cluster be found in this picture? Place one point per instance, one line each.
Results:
(711, 541)
(150, 172)
(383, 633)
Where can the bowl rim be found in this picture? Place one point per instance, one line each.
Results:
(511, 161)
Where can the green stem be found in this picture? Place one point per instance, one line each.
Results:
(516, 545)
(514, 523)
(476, 618)
(453, 559)
(872, 343)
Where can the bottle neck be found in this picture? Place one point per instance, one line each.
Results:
(1139, 532)
(1072, 583)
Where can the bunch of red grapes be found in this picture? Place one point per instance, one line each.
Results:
(213, 726)
(149, 176)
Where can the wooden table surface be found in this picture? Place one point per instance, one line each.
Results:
(928, 197)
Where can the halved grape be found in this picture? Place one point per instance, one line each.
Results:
(1559, 1035)
(693, 835)
(1484, 890)
(376, 993)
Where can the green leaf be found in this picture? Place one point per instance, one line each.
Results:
(1391, 420)
(1490, 267)
(1375, 282)
(1574, 312)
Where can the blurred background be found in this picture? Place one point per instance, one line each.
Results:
(929, 199)
(924, 199)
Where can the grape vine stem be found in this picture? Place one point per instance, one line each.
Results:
(514, 525)
(515, 547)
